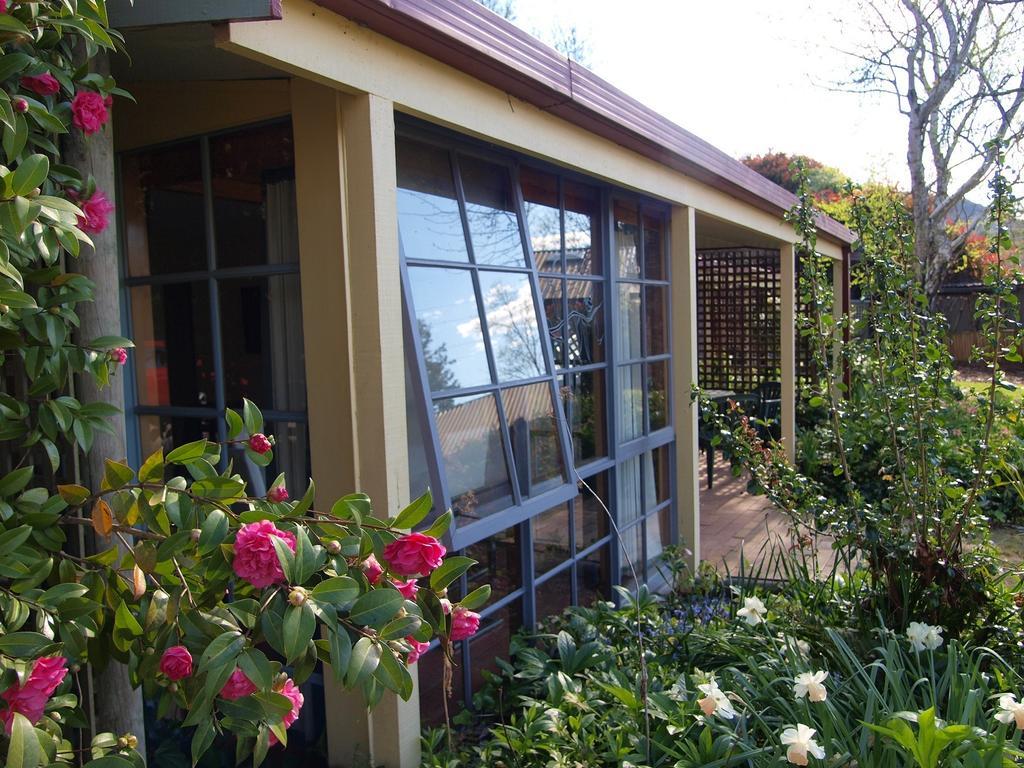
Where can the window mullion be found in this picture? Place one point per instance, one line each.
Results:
(440, 495)
(220, 398)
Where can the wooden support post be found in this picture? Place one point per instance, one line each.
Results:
(117, 706)
(684, 349)
(348, 240)
(787, 264)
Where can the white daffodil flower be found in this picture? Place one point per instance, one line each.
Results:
(753, 611)
(924, 636)
(801, 743)
(715, 702)
(810, 684)
(1011, 710)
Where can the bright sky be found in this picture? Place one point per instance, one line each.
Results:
(747, 75)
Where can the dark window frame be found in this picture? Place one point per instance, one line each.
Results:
(212, 276)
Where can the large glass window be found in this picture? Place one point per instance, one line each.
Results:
(475, 315)
(554, 280)
(212, 261)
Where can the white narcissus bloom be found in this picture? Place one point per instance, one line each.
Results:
(1011, 710)
(753, 611)
(800, 741)
(715, 702)
(924, 636)
(809, 684)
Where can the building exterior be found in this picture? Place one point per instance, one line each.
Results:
(438, 255)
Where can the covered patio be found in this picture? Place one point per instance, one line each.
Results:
(748, 352)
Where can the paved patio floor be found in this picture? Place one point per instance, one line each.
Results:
(735, 524)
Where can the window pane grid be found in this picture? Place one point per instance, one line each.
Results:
(185, 202)
(493, 324)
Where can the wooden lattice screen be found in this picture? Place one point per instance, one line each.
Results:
(739, 319)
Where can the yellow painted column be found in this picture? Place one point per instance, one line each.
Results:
(348, 238)
(787, 273)
(684, 352)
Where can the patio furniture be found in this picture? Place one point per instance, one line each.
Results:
(769, 412)
(705, 433)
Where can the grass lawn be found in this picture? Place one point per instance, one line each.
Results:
(1009, 540)
(976, 381)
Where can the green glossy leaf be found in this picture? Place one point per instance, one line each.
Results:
(376, 606)
(183, 454)
(297, 630)
(224, 649)
(218, 488)
(449, 571)
(213, 531)
(23, 645)
(476, 598)
(340, 591)
(15, 481)
(414, 514)
(364, 660)
(440, 526)
(23, 750)
(30, 174)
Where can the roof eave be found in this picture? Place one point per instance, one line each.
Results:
(470, 38)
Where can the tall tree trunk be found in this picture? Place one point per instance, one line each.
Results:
(919, 196)
(118, 706)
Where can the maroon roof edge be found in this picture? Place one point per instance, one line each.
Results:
(469, 37)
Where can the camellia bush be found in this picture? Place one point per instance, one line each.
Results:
(219, 602)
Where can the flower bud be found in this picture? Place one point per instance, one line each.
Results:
(297, 596)
(54, 310)
(122, 742)
(4, 309)
(196, 533)
(334, 546)
(260, 443)
(56, 716)
(20, 105)
(280, 680)
(173, 687)
(150, 651)
(132, 740)
(75, 669)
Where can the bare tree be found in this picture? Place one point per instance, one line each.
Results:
(503, 8)
(957, 68)
(566, 40)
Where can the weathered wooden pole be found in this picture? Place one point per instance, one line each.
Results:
(118, 707)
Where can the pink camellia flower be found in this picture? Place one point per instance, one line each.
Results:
(414, 554)
(255, 557)
(465, 623)
(418, 649)
(30, 699)
(237, 686)
(95, 213)
(372, 569)
(43, 85)
(3, 6)
(89, 111)
(119, 355)
(277, 494)
(407, 588)
(295, 695)
(260, 443)
(176, 662)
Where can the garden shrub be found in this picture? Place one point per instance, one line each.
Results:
(724, 692)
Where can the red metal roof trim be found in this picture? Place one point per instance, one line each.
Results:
(467, 36)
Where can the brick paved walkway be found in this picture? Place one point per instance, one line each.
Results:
(733, 521)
